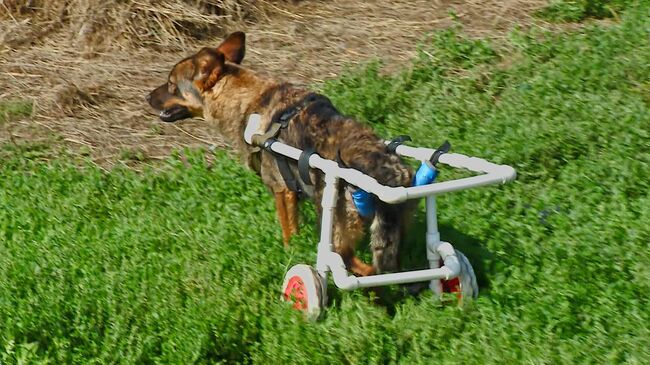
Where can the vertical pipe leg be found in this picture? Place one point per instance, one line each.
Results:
(328, 203)
(433, 239)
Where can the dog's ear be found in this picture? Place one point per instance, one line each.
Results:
(234, 47)
(210, 66)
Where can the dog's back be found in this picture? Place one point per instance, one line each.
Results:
(319, 125)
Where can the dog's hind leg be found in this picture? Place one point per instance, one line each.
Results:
(384, 239)
(386, 233)
(348, 231)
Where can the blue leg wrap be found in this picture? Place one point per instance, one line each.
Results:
(364, 202)
(426, 174)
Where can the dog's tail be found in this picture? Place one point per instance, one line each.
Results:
(389, 222)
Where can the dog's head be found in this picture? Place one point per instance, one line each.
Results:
(181, 96)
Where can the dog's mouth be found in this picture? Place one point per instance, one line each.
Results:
(174, 113)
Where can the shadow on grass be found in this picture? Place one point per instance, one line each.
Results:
(413, 257)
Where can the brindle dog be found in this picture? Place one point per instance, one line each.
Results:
(212, 84)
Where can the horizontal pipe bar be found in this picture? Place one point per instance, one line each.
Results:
(453, 185)
(352, 176)
(418, 153)
(349, 282)
(404, 277)
(474, 164)
(457, 160)
(387, 193)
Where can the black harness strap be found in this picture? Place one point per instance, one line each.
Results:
(444, 148)
(395, 142)
(283, 117)
(303, 165)
(279, 121)
(287, 175)
(283, 167)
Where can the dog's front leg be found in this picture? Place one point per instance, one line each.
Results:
(286, 203)
(281, 208)
(291, 205)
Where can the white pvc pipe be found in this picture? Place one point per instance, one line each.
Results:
(386, 193)
(405, 277)
(394, 194)
(449, 270)
(418, 153)
(457, 160)
(328, 203)
(340, 273)
(449, 258)
(452, 185)
(493, 173)
(433, 236)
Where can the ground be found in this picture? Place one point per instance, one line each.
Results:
(94, 105)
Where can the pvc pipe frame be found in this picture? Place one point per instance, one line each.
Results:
(328, 260)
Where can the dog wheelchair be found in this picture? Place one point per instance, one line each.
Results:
(449, 270)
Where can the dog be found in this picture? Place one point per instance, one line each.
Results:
(213, 84)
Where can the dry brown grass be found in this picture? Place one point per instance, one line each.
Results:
(95, 25)
(87, 64)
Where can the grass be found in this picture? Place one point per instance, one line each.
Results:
(14, 109)
(183, 264)
(141, 22)
(575, 11)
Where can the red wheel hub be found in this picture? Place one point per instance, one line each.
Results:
(451, 285)
(296, 293)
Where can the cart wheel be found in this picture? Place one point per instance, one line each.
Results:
(305, 289)
(464, 285)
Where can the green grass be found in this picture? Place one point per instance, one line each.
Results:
(14, 109)
(578, 10)
(183, 264)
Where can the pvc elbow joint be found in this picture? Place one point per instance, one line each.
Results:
(394, 195)
(254, 122)
(445, 251)
(508, 173)
(340, 274)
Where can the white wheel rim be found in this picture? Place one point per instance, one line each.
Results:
(312, 288)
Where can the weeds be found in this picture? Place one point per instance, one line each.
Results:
(14, 109)
(575, 11)
(183, 264)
